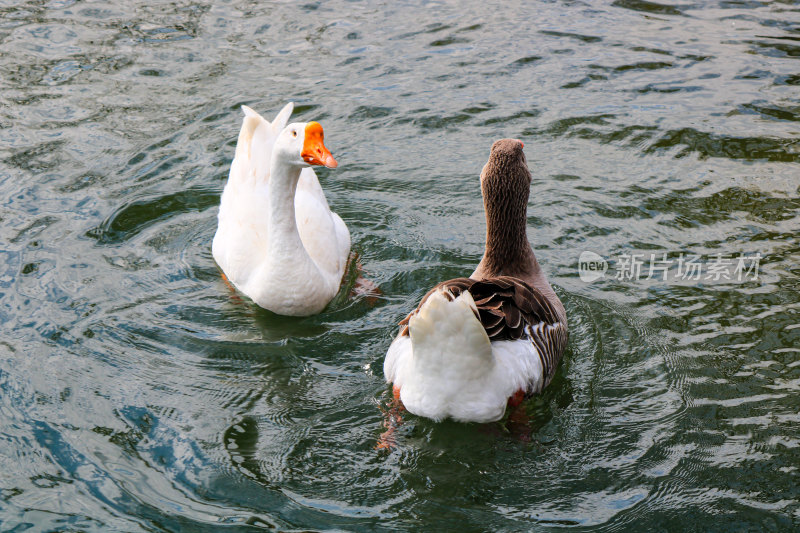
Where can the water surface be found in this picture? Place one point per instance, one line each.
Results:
(138, 394)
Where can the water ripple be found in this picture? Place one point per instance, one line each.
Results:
(138, 392)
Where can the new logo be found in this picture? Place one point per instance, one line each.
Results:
(591, 266)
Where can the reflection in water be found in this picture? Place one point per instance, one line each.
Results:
(137, 392)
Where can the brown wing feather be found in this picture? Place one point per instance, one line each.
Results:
(514, 301)
(508, 309)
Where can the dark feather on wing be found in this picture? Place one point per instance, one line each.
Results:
(505, 305)
(509, 309)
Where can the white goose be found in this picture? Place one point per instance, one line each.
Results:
(475, 345)
(277, 240)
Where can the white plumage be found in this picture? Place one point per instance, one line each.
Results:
(277, 239)
(447, 367)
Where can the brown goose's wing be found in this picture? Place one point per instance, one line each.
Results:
(510, 309)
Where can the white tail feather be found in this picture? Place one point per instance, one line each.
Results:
(282, 118)
(447, 367)
(451, 361)
(256, 138)
(248, 112)
(448, 337)
(249, 125)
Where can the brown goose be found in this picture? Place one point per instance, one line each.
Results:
(477, 344)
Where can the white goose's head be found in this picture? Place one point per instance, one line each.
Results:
(300, 144)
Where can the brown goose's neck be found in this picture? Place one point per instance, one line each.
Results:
(508, 251)
(505, 186)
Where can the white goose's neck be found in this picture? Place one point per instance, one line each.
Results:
(287, 279)
(283, 233)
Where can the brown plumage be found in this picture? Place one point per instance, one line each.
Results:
(505, 305)
(505, 186)
(513, 297)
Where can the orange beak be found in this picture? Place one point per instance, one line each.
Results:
(314, 151)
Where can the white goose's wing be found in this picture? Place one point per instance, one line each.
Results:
(241, 230)
(323, 232)
(256, 139)
(309, 183)
(343, 236)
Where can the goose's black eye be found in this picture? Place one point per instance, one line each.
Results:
(294, 133)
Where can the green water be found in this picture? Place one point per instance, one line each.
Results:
(138, 394)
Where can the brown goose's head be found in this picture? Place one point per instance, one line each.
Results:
(506, 182)
(507, 165)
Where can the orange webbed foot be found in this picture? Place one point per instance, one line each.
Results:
(392, 419)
